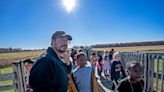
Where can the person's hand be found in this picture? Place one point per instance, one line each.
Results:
(65, 57)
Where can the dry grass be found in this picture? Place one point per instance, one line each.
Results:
(134, 48)
(7, 58)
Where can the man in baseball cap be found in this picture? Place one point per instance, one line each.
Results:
(60, 34)
(49, 74)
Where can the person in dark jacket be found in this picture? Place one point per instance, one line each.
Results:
(117, 71)
(134, 82)
(50, 72)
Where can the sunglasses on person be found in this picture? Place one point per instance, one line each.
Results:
(117, 67)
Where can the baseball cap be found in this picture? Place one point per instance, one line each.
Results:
(132, 64)
(59, 34)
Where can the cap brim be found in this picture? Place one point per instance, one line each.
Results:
(68, 36)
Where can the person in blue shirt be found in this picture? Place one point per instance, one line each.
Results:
(82, 74)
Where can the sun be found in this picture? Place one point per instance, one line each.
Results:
(69, 4)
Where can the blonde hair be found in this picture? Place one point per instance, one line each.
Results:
(116, 54)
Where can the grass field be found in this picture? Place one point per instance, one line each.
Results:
(7, 58)
(7, 82)
(20, 55)
(159, 48)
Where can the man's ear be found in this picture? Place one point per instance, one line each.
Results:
(52, 41)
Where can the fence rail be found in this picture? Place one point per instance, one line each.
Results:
(9, 76)
(17, 77)
(8, 87)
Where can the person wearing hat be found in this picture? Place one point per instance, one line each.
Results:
(134, 82)
(49, 73)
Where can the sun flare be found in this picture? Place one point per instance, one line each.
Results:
(69, 4)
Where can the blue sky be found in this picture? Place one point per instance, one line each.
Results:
(29, 24)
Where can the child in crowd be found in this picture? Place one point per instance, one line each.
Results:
(93, 60)
(134, 81)
(117, 71)
(27, 66)
(83, 75)
(99, 63)
(106, 66)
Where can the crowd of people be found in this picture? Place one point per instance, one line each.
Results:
(76, 70)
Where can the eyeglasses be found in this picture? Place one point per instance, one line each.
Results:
(118, 67)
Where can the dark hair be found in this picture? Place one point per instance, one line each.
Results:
(80, 54)
(28, 61)
(80, 50)
(132, 64)
(93, 53)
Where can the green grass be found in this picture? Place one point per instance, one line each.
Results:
(160, 71)
(6, 70)
(6, 82)
(160, 65)
(8, 91)
(159, 84)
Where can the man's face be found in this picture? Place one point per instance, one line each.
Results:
(60, 44)
(136, 73)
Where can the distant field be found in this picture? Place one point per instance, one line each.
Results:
(7, 58)
(159, 48)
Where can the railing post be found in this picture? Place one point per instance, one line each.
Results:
(157, 73)
(162, 77)
(146, 77)
(19, 79)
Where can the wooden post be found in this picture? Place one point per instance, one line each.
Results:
(157, 73)
(18, 80)
(152, 73)
(146, 72)
(23, 75)
(162, 77)
(149, 69)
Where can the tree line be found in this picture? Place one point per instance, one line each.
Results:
(12, 50)
(147, 43)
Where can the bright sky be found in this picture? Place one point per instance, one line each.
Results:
(29, 24)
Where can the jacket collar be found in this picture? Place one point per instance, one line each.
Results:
(52, 55)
